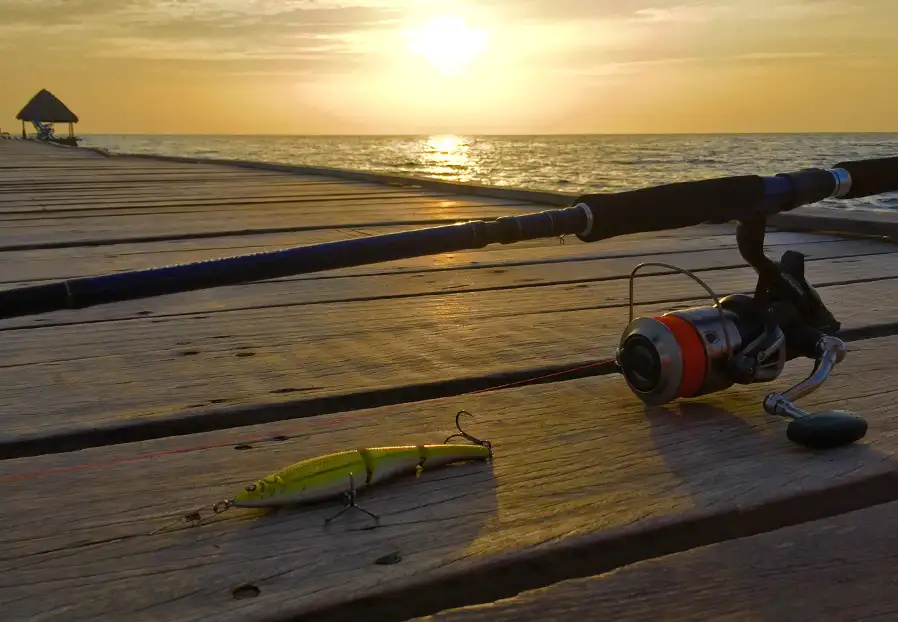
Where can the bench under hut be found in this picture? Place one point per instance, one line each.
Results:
(42, 111)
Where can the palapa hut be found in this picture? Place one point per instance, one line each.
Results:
(46, 108)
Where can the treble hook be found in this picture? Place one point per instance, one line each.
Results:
(467, 436)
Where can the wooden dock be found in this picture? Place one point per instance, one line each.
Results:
(117, 421)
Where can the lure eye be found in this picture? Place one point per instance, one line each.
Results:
(250, 488)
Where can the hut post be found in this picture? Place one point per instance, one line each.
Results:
(24, 135)
(71, 130)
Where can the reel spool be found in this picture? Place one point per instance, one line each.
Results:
(739, 339)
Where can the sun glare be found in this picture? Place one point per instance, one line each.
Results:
(448, 43)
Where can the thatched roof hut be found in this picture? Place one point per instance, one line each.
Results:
(46, 108)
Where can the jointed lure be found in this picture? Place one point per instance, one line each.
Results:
(344, 473)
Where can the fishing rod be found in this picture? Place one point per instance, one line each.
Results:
(740, 339)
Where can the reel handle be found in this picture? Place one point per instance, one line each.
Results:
(822, 430)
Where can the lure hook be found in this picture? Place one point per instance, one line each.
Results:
(222, 506)
(461, 433)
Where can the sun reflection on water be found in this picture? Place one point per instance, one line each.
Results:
(446, 156)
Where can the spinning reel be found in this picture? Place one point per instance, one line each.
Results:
(743, 339)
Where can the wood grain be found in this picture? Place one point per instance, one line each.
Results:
(580, 466)
(16, 236)
(839, 569)
(83, 374)
(58, 263)
(840, 261)
(329, 205)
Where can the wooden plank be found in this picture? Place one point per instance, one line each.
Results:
(51, 178)
(151, 184)
(849, 259)
(85, 231)
(40, 158)
(51, 264)
(90, 175)
(115, 189)
(107, 203)
(867, 222)
(273, 208)
(72, 375)
(847, 564)
(159, 181)
(578, 464)
(120, 195)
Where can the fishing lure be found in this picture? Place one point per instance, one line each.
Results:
(344, 473)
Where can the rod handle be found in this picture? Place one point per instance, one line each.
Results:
(869, 177)
(671, 206)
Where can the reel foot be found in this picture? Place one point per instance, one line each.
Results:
(827, 430)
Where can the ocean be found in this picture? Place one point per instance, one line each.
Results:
(573, 164)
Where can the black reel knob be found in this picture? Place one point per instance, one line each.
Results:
(827, 430)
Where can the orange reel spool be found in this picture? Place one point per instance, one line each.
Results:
(692, 351)
(676, 355)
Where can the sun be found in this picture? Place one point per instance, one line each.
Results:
(448, 43)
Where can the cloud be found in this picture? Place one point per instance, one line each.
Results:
(745, 10)
(216, 30)
(359, 34)
(723, 12)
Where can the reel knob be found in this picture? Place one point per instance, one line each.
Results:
(824, 430)
(827, 430)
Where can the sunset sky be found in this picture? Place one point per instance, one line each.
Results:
(484, 66)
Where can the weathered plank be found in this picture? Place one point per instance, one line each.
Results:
(282, 213)
(579, 466)
(65, 376)
(109, 207)
(66, 262)
(357, 203)
(842, 260)
(119, 197)
(92, 176)
(159, 181)
(86, 230)
(840, 568)
(276, 210)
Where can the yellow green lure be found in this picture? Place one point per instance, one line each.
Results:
(343, 473)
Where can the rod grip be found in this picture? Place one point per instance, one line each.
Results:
(672, 206)
(869, 177)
